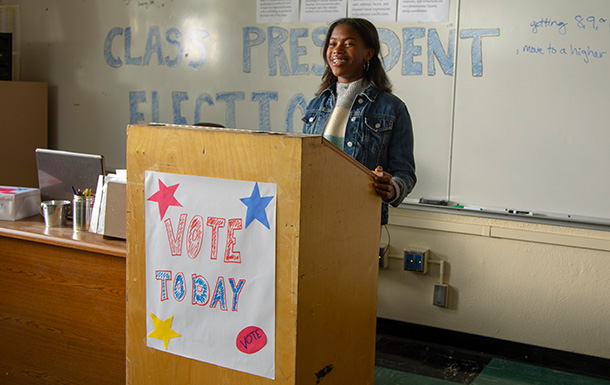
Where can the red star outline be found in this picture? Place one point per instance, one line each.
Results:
(165, 197)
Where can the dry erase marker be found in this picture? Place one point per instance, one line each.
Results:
(468, 207)
(519, 212)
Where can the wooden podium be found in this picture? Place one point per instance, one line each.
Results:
(328, 218)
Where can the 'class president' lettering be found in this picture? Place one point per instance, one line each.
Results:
(174, 44)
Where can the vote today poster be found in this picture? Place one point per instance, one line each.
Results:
(210, 270)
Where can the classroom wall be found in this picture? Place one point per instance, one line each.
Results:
(537, 284)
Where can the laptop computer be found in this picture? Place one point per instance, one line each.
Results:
(60, 171)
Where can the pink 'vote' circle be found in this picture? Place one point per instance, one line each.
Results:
(251, 340)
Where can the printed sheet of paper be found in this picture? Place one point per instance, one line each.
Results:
(210, 270)
(322, 11)
(376, 11)
(277, 11)
(429, 11)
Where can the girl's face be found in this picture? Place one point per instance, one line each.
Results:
(347, 53)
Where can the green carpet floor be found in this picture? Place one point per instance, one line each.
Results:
(496, 372)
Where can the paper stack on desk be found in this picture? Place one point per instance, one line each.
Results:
(109, 210)
(18, 202)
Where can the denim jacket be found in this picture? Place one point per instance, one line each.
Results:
(378, 133)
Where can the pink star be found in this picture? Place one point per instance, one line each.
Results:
(7, 190)
(165, 197)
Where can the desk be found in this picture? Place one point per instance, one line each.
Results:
(62, 305)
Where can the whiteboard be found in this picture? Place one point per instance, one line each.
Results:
(115, 62)
(498, 122)
(532, 132)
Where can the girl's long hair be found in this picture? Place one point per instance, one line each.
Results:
(375, 74)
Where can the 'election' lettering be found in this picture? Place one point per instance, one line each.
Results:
(178, 97)
(136, 98)
(298, 101)
(230, 98)
(263, 98)
(200, 100)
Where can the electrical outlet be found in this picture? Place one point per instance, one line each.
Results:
(383, 257)
(416, 260)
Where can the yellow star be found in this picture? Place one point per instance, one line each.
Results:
(163, 329)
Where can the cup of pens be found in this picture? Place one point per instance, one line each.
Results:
(82, 205)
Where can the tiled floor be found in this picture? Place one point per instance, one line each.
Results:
(401, 361)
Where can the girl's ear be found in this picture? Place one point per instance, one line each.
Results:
(369, 54)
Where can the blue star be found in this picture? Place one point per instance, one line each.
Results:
(256, 207)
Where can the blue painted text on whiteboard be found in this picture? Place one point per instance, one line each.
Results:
(279, 44)
(586, 52)
(173, 37)
(277, 37)
(581, 22)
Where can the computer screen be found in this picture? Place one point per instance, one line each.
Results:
(61, 171)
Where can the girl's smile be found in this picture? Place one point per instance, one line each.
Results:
(347, 54)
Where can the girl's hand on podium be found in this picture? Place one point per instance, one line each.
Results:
(383, 184)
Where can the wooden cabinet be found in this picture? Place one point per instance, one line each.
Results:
(62, 308)
(23, 128)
